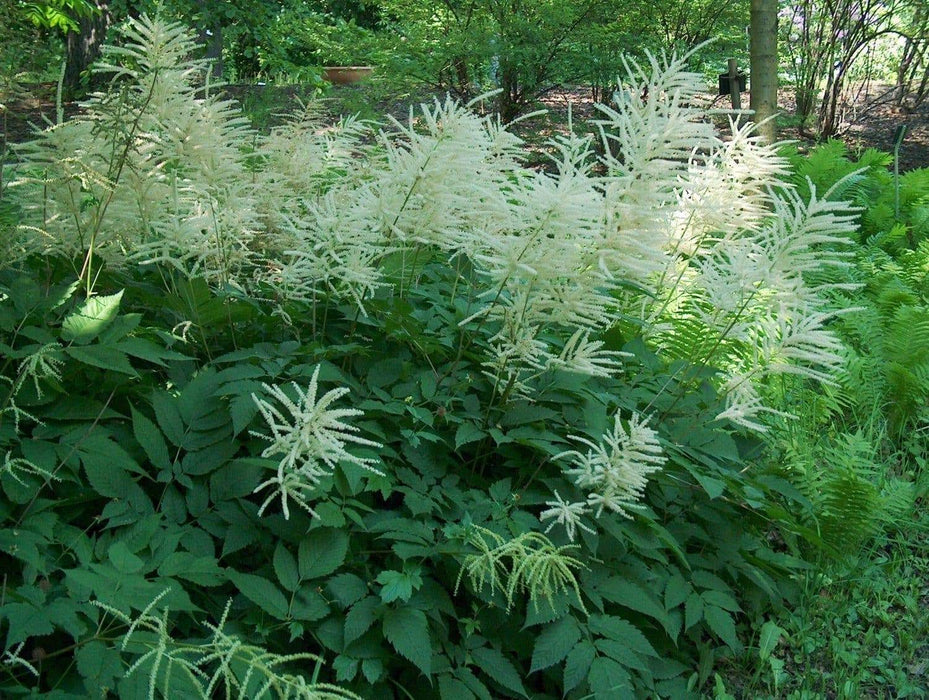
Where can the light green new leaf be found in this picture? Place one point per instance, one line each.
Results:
(87, 322)
(407, 630)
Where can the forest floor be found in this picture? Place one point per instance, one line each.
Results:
(868, 124)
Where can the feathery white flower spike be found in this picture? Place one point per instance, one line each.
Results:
(567, 514)
(311, 441)
(615, 470)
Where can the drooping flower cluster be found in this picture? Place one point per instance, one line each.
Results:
(613, 473)
(310, 440)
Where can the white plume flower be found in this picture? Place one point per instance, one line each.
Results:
(311, 441)
(566, 514)
(615, 471)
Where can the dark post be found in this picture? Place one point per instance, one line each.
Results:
(734, 84)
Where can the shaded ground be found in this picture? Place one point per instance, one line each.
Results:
(873, 127)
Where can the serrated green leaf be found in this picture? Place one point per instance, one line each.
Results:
(450, 688)
(242, 409)
(373, 670)
(722, 625)
(102, 356)
(262, 593)
(123, 560)
(609, 680)
(321, 552)
(623, 631)
(360, 617)
(26, 620)
(398, 585)
(577, 664)
(285, 568)
(308, 605)
(693, 610)
(169, 417)
(99, 665)
(495, 665)
(554, 643)
(202, 570)
(151, 440)
(407, 630)
(345, 667)
(467, 433)
(676, 591)
(720, 599)
(347, 589)
(634, 597)
(87, 321)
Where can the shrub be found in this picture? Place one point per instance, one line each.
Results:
(514, 409)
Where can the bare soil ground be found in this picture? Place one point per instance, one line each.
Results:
(868, 125)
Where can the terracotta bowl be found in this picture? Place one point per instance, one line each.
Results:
(345, 75)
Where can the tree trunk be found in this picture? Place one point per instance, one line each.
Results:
(83, 48)
(763, 69)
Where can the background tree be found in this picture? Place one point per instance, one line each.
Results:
(764, 66)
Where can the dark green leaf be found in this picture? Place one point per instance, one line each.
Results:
(693, 610)
(468, 432)
(151, 440)
(623, 631)
(322, 552)
(554, 643)
(498, 667)
(99, 665)
(360, 617)
(609, 680)
(578, 664)
(102, 356)
(407, 630)
(285, 567)
(347, 589)
(261, 592)
(722, 625)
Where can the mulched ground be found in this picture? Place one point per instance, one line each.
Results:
(867, 125)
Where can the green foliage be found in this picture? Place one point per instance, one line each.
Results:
(162, 373)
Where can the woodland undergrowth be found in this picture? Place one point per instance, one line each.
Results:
(377, 410)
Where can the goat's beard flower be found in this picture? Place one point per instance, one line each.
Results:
(311, 441)
(567, 514)
(614, 471)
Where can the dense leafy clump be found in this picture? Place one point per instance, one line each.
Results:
(515, 409)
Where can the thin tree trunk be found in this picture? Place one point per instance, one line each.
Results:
(83, 48)
(763, 55)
